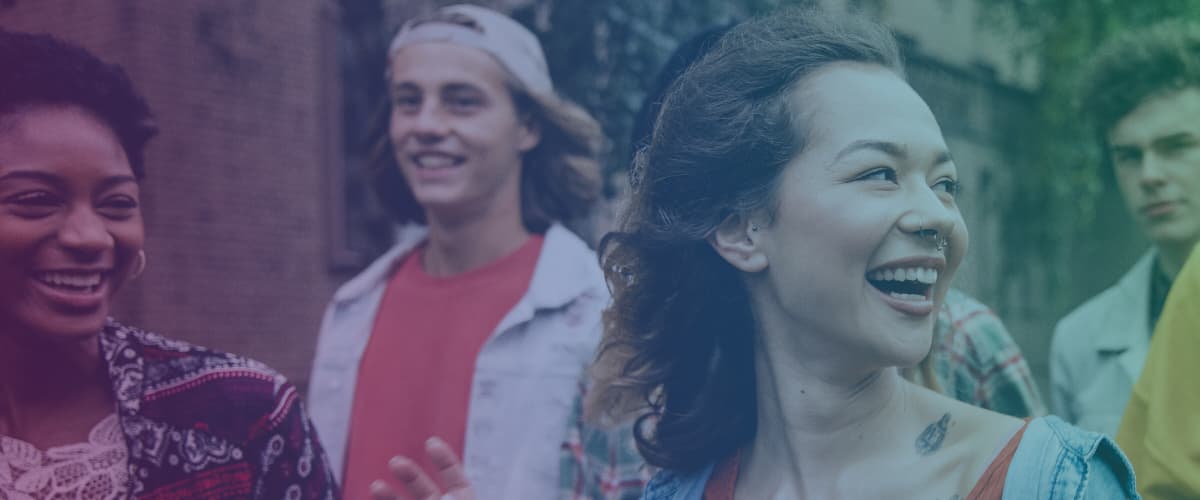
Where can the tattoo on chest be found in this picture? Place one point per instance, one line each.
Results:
(930, 439)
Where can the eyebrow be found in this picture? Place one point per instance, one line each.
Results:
(461, 87)
(116, 180)
(57, 181)
(1157, 141)
(32, 175)
(889, 148)
(448, 87)
(402, 86)
(1178, 136)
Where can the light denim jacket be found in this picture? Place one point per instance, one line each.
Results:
(526, 375)
(1054, 461)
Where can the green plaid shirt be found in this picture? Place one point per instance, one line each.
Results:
(976, 361)
(600, 464)
(974, 358)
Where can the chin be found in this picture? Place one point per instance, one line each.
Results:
(911, 350)
(1171, 233)
(438, 199)
(65, 328)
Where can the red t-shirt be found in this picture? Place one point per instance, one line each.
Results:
(414, 380)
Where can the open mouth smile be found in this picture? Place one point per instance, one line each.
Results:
(73, 288)
(907, 285)
(436, 161)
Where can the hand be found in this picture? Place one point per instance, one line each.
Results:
(419, 485)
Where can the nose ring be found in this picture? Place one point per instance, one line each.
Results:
(939, 242)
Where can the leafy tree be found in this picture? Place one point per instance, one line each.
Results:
(1057, 191)
(605, 55)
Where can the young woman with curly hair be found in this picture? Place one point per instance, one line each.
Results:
(792, 232)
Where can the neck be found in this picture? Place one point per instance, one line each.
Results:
(42, 380)
(1171, 257)
(458, 244)
(814, 421)
(812, 415)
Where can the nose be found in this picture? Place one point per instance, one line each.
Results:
(85, 234)
(429, 123)
(1153, 172)
(929, 218)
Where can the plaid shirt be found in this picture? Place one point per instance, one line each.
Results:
(974, 359)
(600, 464)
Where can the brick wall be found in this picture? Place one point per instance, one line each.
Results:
(237, 200)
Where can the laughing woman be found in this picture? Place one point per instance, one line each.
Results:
(792, 233)
(90, 408)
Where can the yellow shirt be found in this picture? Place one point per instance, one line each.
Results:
(1160, 430)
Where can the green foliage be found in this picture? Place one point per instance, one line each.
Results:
(605, 55)
(1059, 187)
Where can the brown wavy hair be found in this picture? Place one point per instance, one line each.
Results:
(678, 347)
(560, 177)
(1135, 66)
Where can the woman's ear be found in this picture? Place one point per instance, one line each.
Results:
(739, 240)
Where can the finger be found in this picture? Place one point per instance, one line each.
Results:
(414, 479)
(381, 491)
(453, 475)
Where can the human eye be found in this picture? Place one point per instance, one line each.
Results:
(948, 186)
(1177, 146)
(119, 207)
(34, 204)
(879, 174)
(463, 103)
(1126, 156)
(406, 101)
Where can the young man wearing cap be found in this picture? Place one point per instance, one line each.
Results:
(1142, 92)
(475, 328)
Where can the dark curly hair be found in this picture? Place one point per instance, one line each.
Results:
(678, 336)
(41, 70)
(1137, 65)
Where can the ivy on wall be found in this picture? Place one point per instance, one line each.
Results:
(1057, 192)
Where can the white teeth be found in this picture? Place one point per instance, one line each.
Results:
(906, 296)
(923, 275)
(434, 161)
(72, 279)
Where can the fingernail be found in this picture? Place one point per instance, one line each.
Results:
(396, 461)
(434, 441)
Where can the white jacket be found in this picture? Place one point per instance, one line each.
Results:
(526, 376)
(1098, 351)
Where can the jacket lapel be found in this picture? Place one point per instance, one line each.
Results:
(1127, 332)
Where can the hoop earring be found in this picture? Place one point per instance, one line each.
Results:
(139, 267)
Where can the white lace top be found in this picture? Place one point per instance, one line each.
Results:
(95, 469)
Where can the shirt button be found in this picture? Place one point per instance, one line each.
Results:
(487, 388)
